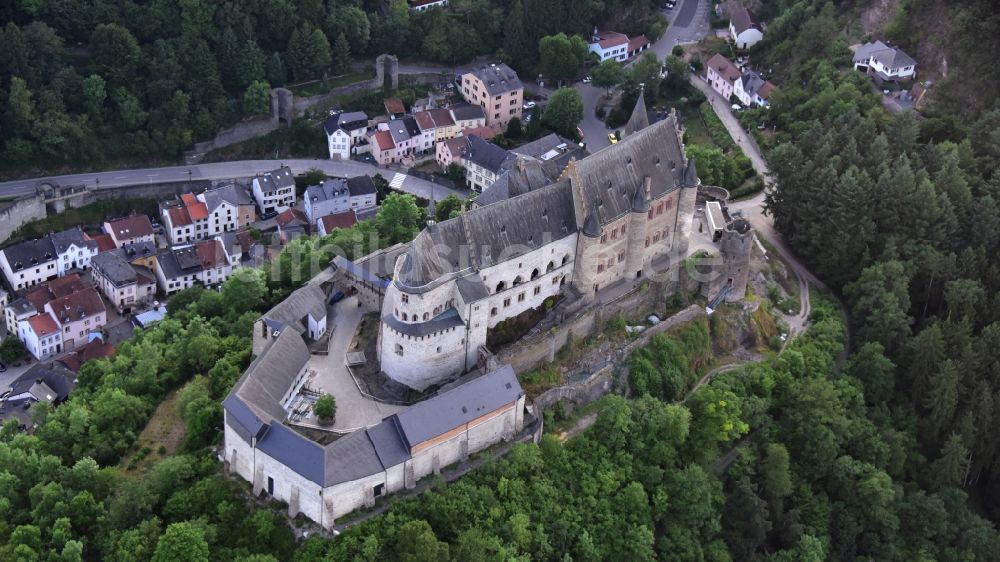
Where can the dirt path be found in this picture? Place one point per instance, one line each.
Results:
(581, 425)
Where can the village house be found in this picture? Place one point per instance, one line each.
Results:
(383, 147)
(41, 336)
(407, 138)
(722, 75)
(229, 208)
(33, 302)
(336, 195)
(130, 230)
(609, 45)
(394, 107)
(483, 162)
(50, 385)
(205, 263)
(884, 62)
(123, 284)
(441, 121)
(345, 219)
(450, 151)
(637, 45)
(752, 90)
(31, 262)
(74, 250)
(497, 90)
(345, 132)
(422, 5)
(185, 220)
(274, 191)
(77, 314)
(745, 29)
(467, 116)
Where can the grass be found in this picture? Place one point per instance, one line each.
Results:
(537, 382)
(718, 132)
(317, 87)
(161, 438)
(89, 217)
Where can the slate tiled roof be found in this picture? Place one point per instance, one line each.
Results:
(360, 185)
(115, 268)
(487, 154)
(639, 120)
(467, 112)
(497, 78)
(58, 379)
(72, 237)
(743, 19)
(276, 179)
(270, 376)
(30, 253)
(724, 67)
(348, 121)
(307, 300)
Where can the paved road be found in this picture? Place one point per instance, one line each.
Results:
(688, 23)
(229, 170)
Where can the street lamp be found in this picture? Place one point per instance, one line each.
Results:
(189, 175)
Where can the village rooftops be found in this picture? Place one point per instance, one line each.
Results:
(467, 112)
(227, 193)
(43, 325)
(137, 250)
(96, 349)
(276, 179)
(115, 268)
(486, 154)
(743, 19)
(179, 262)
(74, 236)
(30, 253)
(104, 242)
(442, 117)
(498, 78)
(394, 106)
(56, 382)
(78, 305)
(131, 227)
(346, 219)
(54, 289)
(347, 121)
(609, 39)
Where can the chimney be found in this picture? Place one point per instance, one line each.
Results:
(648, 183)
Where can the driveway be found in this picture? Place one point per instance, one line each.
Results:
(231, 170)
(354, 410)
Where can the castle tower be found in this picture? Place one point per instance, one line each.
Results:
(637, 229)
(639, 119)
(685, 208)
(736, 247)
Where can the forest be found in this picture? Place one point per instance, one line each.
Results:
(100, 82)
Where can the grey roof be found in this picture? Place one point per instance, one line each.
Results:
(329, 189)
(30, 253)
(467, 112)
(472, 288)
(276, 179)
(399, 131)
(360, 185)
(639, 119)
(411, 125)
(743, 19)
(58, 380)
(388, 442)
(228, 193)
(487, 154)
(295, 451)
(74, 236)
(554, 152)
(524, 175)
(498, 78)
(890, 57)
(752, 82)
(380, 263)
(340, 262)
(488, 235)
(348, 121)
(180, 262)
(439, 415)
(22, 306)
(351, 457)
(114, 267)
(307, 300)
(137, 250)
(444, 321)
(270, 375)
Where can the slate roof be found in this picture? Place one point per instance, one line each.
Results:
(400, 130)
(348, 121)
(137, 250)
(114, 267)
(890, 57)
(361, 185)
(131, 227)
(295, 451)
(743, 19)
(752, 82)
(388, 443)
(467, 112)
(361, 272)
(30, 253)
(523, 176)
(351, 457)
(59, 380)
(436, 416)
(228, 193)
(457, 146)
(487, 154)
(639, 120)
(177, 263)
(724, 67)
(497, 78)
(276, 179)
(74, 236)
(471, 287)
(444, 321)
(22, 306)
(307, 300)
(269, 377)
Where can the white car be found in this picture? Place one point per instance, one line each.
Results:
(529, 105)
(737, 107)
(586, 79)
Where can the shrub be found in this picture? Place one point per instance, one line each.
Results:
(326, 408)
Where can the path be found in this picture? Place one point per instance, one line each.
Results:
(579, 427)
(231, 170)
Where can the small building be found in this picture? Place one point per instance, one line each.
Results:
(345, 219)
(752, 90)
(439, 121)
(467, 116)
(383, 148)
(304, 311)
(745, 29)
(185, 220)
(76, 315)
(394, 108)
(229, 208)
(74, 249)
(637, 45)
(450, 151)
(274, 191)
(130, 230)
(104, 242)
(497, 89)
(151, 317)
(715, 219)
(51, 385)
(609, 45)
(345, 132)
(423, 5)
(483, 162)
(338, 195)
(722, 75)
(41, 336)
(29, 263)
(885, 62)
(123, 284)
(95, 349)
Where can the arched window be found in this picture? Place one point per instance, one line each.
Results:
(426, 317)
(517, 281)
(404, 317)
(399, 350)
(562, 281)
(550, 267)
(534, 273)
(565, 259)
(493, 311)
(501, 286)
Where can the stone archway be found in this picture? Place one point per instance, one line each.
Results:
(282, 106)
(386, 72)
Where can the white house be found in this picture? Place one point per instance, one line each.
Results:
(752, 90)
(888, 63)
(274, 191)
(74, 248)
(722, 75)
(744, 28)
(483, 162)
(130, 230)
(186, 220)
(77, 314)
(407, 137)
(41, 335)
(609, 45)
(344, 132)
(29, 263)
(123, 284)
(336, 195)
(421, 5)
(205, 262)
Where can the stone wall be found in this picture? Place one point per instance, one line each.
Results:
(607, 377)
(15, 213)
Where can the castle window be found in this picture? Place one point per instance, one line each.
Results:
(534, 273)
(604, 238)
(503, 228)
(399, 350)
(622, 229)
(426, 316)
(501, 286)
(656, 237)
(520, 298)
(600, 267)
(538, 289)
(517, 281)
(550, 267)
(647, 241)
(611, 262)
(405, 318)
(621, 257)
(506, 302)
(439, 349)
(404, 298)
(565, 259)
(493, 311)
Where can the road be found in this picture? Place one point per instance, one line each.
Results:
(688, 23)
(230, 170)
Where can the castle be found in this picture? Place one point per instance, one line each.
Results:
(609, 219)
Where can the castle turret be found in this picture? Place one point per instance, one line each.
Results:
(637, 229)
(685, 207)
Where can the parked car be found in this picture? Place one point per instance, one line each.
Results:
(530, 105)
(737, 107)
(613, 138)
(586, 79)
(337, 297)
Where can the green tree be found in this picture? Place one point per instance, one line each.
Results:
(182, 542)
(447, 208)
(94, 95)
(514, 129)
(399, 219)
(415, 541)
(257, 99)
(341, 55)
(608, 74)
(456, 173)
(325, 408)
(19, 114)
(308, 53)
(350, 21)
(646, 72)
(11, 349)
(277, 74)
(561, 56)
(115, 54)
(564, 112)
